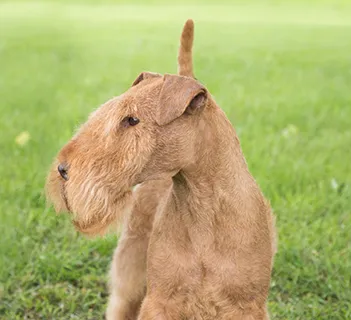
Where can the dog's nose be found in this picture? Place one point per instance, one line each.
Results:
(62, 169)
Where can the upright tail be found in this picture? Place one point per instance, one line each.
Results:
(185, 59)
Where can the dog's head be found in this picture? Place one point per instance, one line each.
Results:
(149, 132)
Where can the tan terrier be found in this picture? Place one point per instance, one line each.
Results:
(198, 241)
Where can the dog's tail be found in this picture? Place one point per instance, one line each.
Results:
(185, 59)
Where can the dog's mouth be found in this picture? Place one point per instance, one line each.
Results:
(64, 197)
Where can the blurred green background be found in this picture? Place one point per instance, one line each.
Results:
(281, 70)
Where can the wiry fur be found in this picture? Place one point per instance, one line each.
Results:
(199, 240)
(128, 270)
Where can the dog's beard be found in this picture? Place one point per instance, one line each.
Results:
(55, 192)
(64, 197)
(101, 215)
(94, 206)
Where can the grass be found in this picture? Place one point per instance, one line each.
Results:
(282, 73)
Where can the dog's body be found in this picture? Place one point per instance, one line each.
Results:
(199, 241)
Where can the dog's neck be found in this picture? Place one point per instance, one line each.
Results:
(220, 170)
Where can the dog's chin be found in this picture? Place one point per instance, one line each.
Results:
(96, 228)
(99, 223)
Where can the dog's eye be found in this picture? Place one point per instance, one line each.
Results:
(130, 121)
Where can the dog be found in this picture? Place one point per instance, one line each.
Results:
(199, 236)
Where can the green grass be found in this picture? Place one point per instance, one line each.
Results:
(282, 73)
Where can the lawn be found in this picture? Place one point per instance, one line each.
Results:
(280, 70)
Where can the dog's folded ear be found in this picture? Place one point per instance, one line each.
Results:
(179, 95)
(145, 75)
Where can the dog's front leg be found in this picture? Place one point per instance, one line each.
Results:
(152, 310)
(128, 278)
(128, 270)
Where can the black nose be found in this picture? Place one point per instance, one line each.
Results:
(62, 169)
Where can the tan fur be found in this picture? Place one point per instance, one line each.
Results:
(128, 270)
(185, 58)
(198, 241)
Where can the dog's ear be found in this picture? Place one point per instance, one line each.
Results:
(145, 75)
(179, 95)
